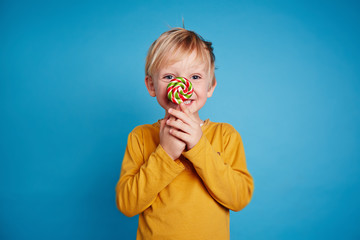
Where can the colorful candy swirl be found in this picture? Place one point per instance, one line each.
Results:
(179, 90)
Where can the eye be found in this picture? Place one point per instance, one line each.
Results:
(195, 77)
(169, 77)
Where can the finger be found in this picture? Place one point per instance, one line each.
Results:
(186, 110)
(172, 118)
(178, 124)
(179, 115)
(173, 109)
(180, 135)
(177, 109)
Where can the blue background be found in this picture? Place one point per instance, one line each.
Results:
(72, 88)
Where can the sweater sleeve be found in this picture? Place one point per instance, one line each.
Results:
(224, 173)
(141, 181)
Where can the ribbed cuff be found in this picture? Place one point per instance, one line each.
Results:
(174, 165)
(196, 154)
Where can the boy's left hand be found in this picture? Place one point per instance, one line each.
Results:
(185, 126)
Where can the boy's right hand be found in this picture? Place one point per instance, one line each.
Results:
(172, 145)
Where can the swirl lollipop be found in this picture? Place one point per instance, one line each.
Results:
(179, 90)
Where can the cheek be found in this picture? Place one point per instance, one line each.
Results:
(161, 91)
(201, 88)
(160, 87)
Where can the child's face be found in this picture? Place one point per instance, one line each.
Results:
(194, 71)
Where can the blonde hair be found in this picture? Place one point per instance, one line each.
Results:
(176, 43)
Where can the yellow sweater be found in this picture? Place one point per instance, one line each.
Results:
(188, 198)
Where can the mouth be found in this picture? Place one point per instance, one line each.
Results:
(187, 102)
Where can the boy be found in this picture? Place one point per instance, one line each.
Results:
(183, 174)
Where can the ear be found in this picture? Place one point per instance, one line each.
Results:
(150, 86)
(211, 88)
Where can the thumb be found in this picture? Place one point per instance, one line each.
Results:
(186, 110)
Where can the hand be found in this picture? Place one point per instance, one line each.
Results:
(172, 145)
(184, 126)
